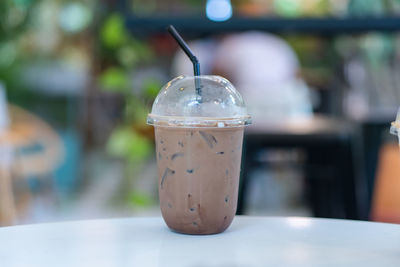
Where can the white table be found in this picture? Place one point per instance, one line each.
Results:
(250, 241)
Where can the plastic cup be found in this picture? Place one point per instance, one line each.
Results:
(198, 147)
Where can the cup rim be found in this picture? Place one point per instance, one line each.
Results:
(209, 122)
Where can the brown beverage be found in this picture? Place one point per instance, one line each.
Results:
(198, 172)
(199, 123)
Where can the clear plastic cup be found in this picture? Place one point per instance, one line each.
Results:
(199, 123)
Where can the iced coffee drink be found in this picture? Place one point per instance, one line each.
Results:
(198, 177)
(198, 149)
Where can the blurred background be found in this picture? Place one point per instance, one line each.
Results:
(78, 78)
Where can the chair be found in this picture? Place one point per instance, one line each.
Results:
(336, 187)
(25, 130)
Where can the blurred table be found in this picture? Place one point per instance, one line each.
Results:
(332, 171)
(250, 241)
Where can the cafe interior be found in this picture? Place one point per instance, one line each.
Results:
(320, 79)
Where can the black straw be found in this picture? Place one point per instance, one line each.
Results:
(186, 49)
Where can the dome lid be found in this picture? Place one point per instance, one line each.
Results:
(208, 101)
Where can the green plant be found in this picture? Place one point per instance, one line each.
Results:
(121, 55)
